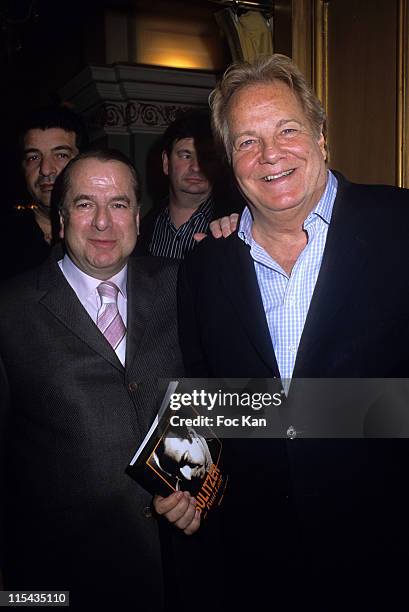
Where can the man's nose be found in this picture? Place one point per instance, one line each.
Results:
(194, 164)
(271, 151)
(47, 166)
(102, 218)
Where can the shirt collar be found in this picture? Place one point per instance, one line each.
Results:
(323, 210)
(85, 285)
(204, 209)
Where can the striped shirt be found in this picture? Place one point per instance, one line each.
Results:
(286, 299)
(167, 241)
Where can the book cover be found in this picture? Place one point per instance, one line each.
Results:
(181, 453)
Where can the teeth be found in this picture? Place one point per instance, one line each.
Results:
(273, 177)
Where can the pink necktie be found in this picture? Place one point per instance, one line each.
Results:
(109, 321)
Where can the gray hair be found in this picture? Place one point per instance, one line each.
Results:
(265, 69)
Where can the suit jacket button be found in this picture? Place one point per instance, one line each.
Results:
(133, 385)
(147, 512)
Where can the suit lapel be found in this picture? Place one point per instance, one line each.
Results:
(246, 299)
(61, 301)
(345, 253)
(141, 291)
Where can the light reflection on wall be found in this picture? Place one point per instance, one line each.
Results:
(176, 42)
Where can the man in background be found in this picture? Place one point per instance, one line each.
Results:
(190, 162)
(49, 138)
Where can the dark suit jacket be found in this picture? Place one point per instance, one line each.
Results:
(22, 244)
(330, 507)
(74, 519)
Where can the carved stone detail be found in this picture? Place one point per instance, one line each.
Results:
(134, 114)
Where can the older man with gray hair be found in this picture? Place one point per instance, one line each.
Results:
(309, 286)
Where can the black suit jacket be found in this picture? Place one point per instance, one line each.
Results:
(334, 508)
(73, 417)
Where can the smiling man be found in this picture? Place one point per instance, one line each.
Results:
(310, 286)
(83, 340)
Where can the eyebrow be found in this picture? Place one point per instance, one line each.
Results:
(57, 148)
(85, 196)
(254, 133)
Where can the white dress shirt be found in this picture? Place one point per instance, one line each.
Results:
(85, 287)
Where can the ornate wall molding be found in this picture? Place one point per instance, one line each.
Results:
(128, 99)
(133, 116)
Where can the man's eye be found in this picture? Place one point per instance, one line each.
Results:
(119, 205)
(247, 144)
(83, 205)
(63, 156)
(31, 158)
(289, 132)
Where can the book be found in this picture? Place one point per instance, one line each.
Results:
(181, 453)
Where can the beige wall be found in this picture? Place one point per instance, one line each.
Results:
(354, 52)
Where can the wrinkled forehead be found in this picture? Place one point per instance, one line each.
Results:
(275, 96)
(99, 179)
(110, 173)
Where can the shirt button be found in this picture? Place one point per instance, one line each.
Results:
(292, 348)
(133, 385)
(291, 432)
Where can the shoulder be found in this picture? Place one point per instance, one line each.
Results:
(381, 195)
(212, 257)
(19, 294)
(378, 210)
(210, 248)
(34, 283)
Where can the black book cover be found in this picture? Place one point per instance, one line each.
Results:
(181, 453)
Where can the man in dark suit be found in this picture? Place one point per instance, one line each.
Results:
(83, 341)
(311, 285)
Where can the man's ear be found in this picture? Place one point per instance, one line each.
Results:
(323, 146)
(61, 232)
(165, 163)
(137, 219)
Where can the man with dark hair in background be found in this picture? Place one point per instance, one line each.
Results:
(190, 162)
(49, 138)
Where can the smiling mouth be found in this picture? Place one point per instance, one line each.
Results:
(274, 177)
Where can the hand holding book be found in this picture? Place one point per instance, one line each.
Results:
(179, 508)
(180, 465)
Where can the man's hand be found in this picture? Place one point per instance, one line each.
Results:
(221, 227)
(179, 508)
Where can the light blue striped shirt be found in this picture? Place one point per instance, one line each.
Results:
(286, 299)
